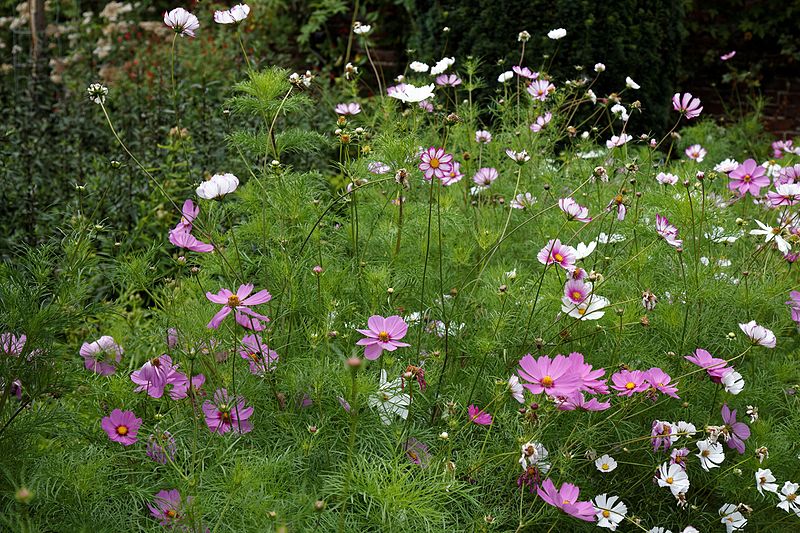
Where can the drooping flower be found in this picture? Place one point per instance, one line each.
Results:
(758, 335)
(345, 109)
(628, 382)
(153, 376)
(168, 507)
(181, 21)
(121, 426)
(262, 360)
(674, 477)
(478, 416)
(772, 234)
(555, 377)
(696, 153)
(436, 163)
(574, 210)
(710, 454)
(556, 253)
(667, 231)
(630, 84)
(97, 93)
(417, 452)
(605, 463)
(662, 435)
(660, 381)
(566, 499)
(714, 366)
(239, 303)
(540, 89)
(382, 334)
(224, 413)
(749, 177)
(233, 15)
(729, 55)
(541, 122)
(161, 448)
(520, 158)
(524, 72)
(102, 355)
(390, 400)
(735, 433)
(516, 389)
(609, 511)
(765, 481)
(410, 94)
(217, 186)
(687, 105)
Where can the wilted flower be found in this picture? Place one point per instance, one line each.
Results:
(417, 452)
(758, 335)
(361, 29)
(390, 400)
(161, 447)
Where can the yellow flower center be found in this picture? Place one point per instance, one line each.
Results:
(413, 455)
(122, 430)
(547, 381)
(233, 300)
(576, 295)
(605, 513)
(746, 178)
(763, 479)
(383, 336)
(434, 163)
(669, 480)
(558, 257)
(706, 453)
(605, 466)
(581, 311)
(566, 502)
(630, 385)
(226, 417)
(171, 513)
(791, 497)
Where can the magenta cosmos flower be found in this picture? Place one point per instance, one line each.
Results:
(184, 239)
(628, 382)
(589, 377)
(102, 355)
(794, 304)
(540, 89)
(715, 367)
(121, 426)
(661, 382)
(574, 210)
(161, 448)
(696, 153)
(240, 302)
(167, 507)
(735, 433)
(181, 21)
(225, 414)
(436, 163)
(566, 499)
(417, 452)
(559, 254)
(181, 387)
(554, 377)
(383, 334)
(578, 402)
(262, 360)
(154, 375)
(686, 105)
(351, 108)
(454, 176)
(12, 345)
(477, 416)
(749, 177)
(667, 231)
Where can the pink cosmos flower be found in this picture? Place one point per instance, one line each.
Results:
(662, 434)
(262, 360)
(383, 334)
(618, 140)
(566, 499)
(239, 303)
(518, 157)
(167, 507)
(476, 416)
(436, 163)
(524, 72)
(351, 108)
(577, 401)
(678, 457)
(666, 179)
(377, 167)
(181, 21)
(660, 382)
(483, 137)
(574, 210)
(556, 253)
(153, 376)
(729, 55)
(590, 377)
(794, 305)
(448, 80)
(161, 448)
(184, 239)
(485, 176)
(417, 452)
(696, 153)
(541, 122)
(523, 201)
(102, 355)
(576, 291)
(628, 382)
(454, 176)
(735, 433)
(784, 195)
(426, 106)
(554, 377)
(180, 382)
(749, 177)
(225, 414)
(780, 147)
(121, 426)
(686, 105)
(715, 368)
(540, 89)
(667, 231)
(759, 335)
(12, 345)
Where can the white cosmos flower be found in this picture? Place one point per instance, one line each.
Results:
(441, 66)
(599, 67)
(631, 84)
(711, 454)
(411, 94)
(593, 97)
(535, 454)
(180, 20)
(361, 29)
(233, 15)
(674, 477)
(685, 429)
(727, 165)
(619, 109)
(556, 34)
(505, 76)
(732, 518)
(592, 308)
(772, 234)
(516, 389)
(97, 93)
(217, 186)
(720, 236)
(584, 250)
(789, 498)
(390, 400)
(609, 510)
(733, 382)
(605, 463)
(765, 481)
(759, 335)
(618, 140)
(603, 238)
(418, 66)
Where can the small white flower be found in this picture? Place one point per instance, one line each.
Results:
(789, 498)
(631, 84)
(765, 481)
(523, 36)
(686, 429)
(418, 66)
(583, 251)
(772, 234)
(604, 238)
(390, 400)
(593, 98)
(556, 34)
(728, 165)
(609, 511)
(412, 94)
(711, 454)
(97, 93)
(441, 66)
(605, 463)
(592, 308)
(217, 186)
(732, 518)
(516, 389)
(619, 109)
(674, 477)
(534, 454)
(361, 29)
(233, 15)
(733, 382)
(599, 67)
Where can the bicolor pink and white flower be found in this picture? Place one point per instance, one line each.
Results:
(696, 152)
(436, 163)
(687, 105)
(541, 121)
(233, 15)
(102, 356)
(667, 231)
(556, 253)
(346, 109)
(574, 210)
(540, 89)
(758, 335)
(181, 21)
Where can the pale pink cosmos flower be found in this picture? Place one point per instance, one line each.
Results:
(479, 417)
(556, 253)
(519, 157)
(715, 367)
(485, 176)
(226, 413)
(383, 334)
(628, 382)
(448, 80)
(784, 195)
(555, 377)
(758, 335)
(794, 305)
(729, 55)
(11, 344)
(102, 355)
(516, 389)
(345, 109)
(454, 176)
(696, 152)
(436, 163)
(574, 210)
(524, 72)
(233, 15)
(181, 387)
(181, 21)
(780, 147)
(240, 303)
(262, 360)
(662, 434)
(540, 89)
(667, 231)
(541, 122)
(577, 401)
(378, 167)
(566, 499)
(523, 201)
(483, 137)
(426, 106)
(184, 239)
(666, 179)
(618, 140)
(749, 177)
(687, 105)
(121, 426)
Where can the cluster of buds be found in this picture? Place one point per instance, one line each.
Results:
(301, 79)
(346, 136)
